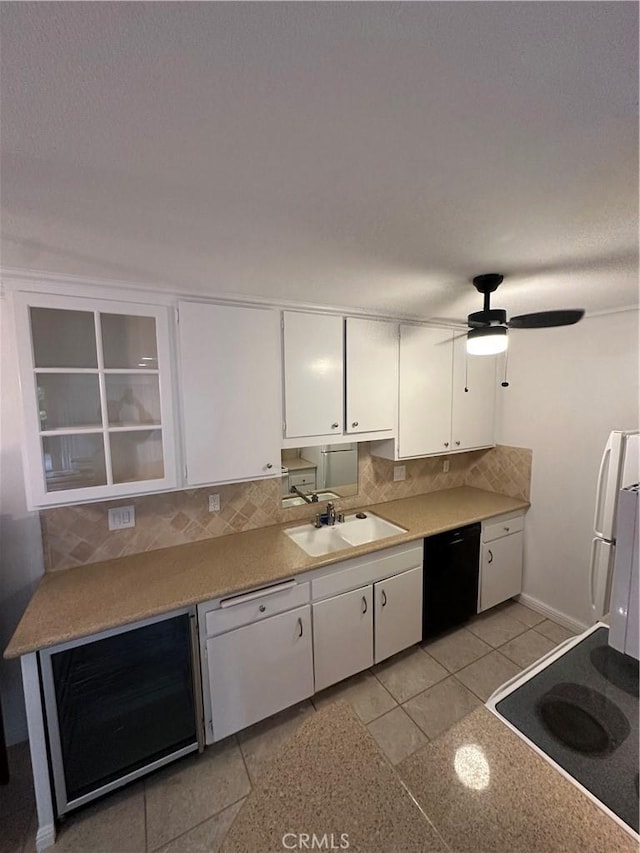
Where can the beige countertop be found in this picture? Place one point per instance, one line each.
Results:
(476, 789)
(485, 789)
(331, 779)
(81, 601)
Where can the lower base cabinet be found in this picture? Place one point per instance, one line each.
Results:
(267, 649)
(342, 636)
(398, 613)
(259, 669)
(356, 629)
(501, 561)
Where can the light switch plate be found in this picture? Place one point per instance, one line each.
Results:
(399, 472)
(121, 517)
(214, 503)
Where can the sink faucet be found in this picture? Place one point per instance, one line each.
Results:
(331, 514)
(310, 500)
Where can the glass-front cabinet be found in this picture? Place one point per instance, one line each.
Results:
(96, 389)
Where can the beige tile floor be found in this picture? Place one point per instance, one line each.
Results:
(404, 702)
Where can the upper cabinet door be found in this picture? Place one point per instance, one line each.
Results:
(97, 398)
(313, 374)
(372, 375)
(472, 409)
(231, 392)
(424, 418)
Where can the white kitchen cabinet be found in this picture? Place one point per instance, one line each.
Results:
(313, 374)
(371, 375)
(97, 398)
(342, 636)
(259, 669)
(436, 415)
(424, 418)
(397, 613)
(501, 560)
(230, 382)
(473, 398)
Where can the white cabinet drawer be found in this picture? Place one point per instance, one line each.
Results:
(253, 606)
(502, 526)
(361, 571)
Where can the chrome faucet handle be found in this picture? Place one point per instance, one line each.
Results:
(316, 520)
(341, 517)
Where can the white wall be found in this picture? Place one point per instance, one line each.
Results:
(569, 387)
(21, 561)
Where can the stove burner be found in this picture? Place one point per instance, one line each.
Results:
(621, 670)
(583, 719)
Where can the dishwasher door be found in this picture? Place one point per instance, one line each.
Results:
(450, 582)
(121, 704)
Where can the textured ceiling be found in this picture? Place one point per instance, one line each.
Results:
(372, 155)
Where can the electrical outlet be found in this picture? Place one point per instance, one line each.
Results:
(399, 472)
(121, 517)
(214, 503)
(445, 466)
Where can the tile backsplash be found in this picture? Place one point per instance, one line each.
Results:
(77, 535)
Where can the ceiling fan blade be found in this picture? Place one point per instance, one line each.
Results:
(546, 319)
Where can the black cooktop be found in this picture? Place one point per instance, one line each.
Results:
(582, 711)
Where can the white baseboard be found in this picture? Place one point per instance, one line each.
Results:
(45, 836)
(552, 613)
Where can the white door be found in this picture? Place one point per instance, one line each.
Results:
(372, 375)
(501, 570)
(342, 636)
(397, 613)
(313, 374)
(473, 398)
(260, 669)
(424, 417)
(231, 392)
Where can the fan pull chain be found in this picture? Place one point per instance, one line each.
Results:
(466, 373)
(504, 382)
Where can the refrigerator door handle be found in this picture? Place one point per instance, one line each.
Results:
(600, 491)
(592, 573)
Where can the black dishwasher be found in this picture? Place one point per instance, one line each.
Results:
(450, 584)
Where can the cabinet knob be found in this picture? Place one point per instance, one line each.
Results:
(446, 444)
(262, 608)
(269, 465)
(335, 425)
(490, 560)
(384, 598)
(507, 529)
(457, 444)
(364, 604)
(354, 424)
(299, 627)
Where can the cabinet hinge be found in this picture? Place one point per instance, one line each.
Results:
(186, 474)
(284, 427)
(178, 316)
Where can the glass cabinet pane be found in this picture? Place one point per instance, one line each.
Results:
(73, 461)
(68, 400)
(63, 338)
(136, 455)
(129, 341)
(132, 399)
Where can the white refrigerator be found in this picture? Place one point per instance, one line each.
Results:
(619, 468)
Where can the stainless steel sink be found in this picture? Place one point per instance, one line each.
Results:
(353, 531)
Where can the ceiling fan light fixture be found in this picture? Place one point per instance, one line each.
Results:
(487, 341)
